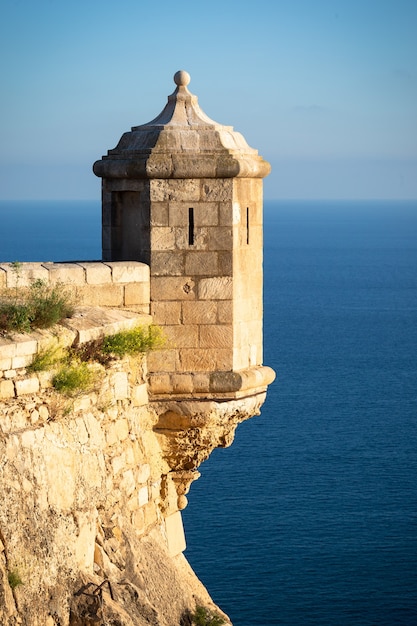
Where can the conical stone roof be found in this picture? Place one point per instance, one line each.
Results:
(182, 142)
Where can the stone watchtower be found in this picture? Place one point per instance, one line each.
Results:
(183, 194)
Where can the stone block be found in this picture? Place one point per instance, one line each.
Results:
(159, 383)
(139, 395)
(198, 312)
(201, 263)
(60, 475)
(162, 360)
(111, 434)
(143, 496)
(162, 238)
(206, 214)
(184, 190)
(96, 273)
(24, 275)
(182, 383)
(6, 389)
(205, 360)
(216, 288)
(21, 361)
(218, 336)
(201, 382)
(129, 271)
(172, 288)
(178, 214)
(81, 431)
(137, 293)
(43, 412)
(5, 364)
(27, 385)
(220, 190)
(120, 384)
(220, 238)
(66, 273)
(168, 263)
(159, 214)
(182, 336)
(138, 520)
(101, 295)
(85, 541)
(122, 429)
(95, 432)
(221, 382)
(26, 347)
(127, 484)
(81, 404)
(175, 534)
(118, 463)
(166, 312)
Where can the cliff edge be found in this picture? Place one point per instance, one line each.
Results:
(92, 486)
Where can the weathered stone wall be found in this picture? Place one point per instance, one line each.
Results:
(91, 486)
(105, 284)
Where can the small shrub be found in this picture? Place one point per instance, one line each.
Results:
(75, 378)
(207, 617)
(135, 341)
(14, 579)
(48, 305)
(40, 306)
(15, 317)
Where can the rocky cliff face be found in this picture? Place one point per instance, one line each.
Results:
(91, 489)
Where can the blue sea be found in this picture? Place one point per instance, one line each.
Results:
(310, 518)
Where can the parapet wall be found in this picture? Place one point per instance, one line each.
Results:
(93, 283)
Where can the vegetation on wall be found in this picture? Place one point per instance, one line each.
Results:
(134, 341)
(78, 369)
(74, 378)
(38, 306)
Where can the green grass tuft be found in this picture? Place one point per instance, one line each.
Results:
(135, 341)
(75, 378)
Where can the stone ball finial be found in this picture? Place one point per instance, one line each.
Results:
(182, 78)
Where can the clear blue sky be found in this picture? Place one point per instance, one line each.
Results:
(326, 90)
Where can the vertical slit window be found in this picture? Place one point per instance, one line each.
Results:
(190, 226)
(247, 225)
